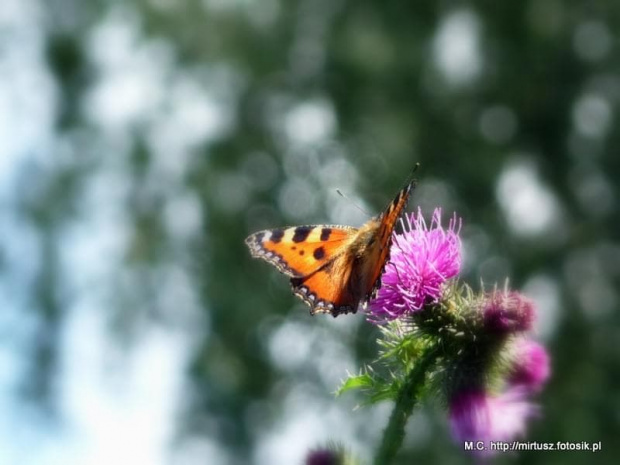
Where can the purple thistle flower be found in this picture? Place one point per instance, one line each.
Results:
(531, 368)
(422, 259)
(508, 312)
(479, 416)
(323, 457)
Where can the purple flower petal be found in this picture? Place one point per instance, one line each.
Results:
(477, 416)
(532, 367)
(508, 312)
(422, 259)
(323, 457)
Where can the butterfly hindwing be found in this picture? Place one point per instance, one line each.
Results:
(328, 289)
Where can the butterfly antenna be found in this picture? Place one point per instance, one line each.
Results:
(413, 171)
(351, 200)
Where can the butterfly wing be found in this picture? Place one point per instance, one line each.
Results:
(327, 289)
(379, 252)
(315, 257)
(360, 266)
(332, 268)
(301, 250)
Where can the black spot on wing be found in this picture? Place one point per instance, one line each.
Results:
(276, 235)
(301, 233)
(325, 233)
(319, 253)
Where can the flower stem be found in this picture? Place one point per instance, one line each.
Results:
(405, 403)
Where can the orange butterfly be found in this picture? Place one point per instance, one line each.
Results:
(332, 268)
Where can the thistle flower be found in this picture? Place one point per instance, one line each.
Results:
(323, 457)
(531, 368)
(332, 454)
(480, 416)
(443, 336)
(508, 312)
(422, 259)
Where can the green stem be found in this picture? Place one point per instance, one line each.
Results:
(405, 403)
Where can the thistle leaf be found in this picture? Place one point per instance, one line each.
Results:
(361, 381)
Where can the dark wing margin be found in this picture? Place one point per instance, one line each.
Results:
(325, 292)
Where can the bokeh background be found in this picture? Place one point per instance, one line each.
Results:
(141, 141)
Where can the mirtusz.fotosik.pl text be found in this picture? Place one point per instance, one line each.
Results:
(503, 446)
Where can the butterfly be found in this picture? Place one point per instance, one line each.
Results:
(333, 269)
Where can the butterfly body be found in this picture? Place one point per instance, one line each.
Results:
(332, 268)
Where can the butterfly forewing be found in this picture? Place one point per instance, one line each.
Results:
(388, 221)
(300, 250)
